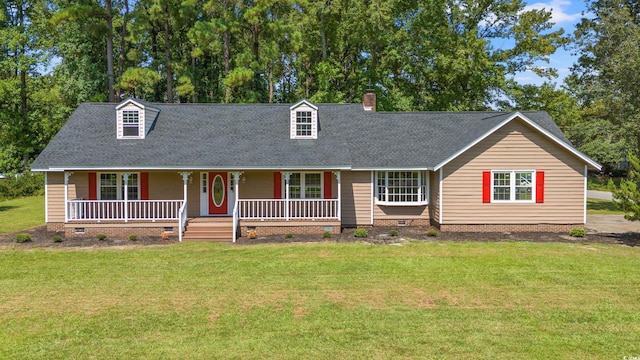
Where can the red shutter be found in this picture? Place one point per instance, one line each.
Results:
(327, 184)
(93, 187)
(277, 185)
(144, 186)
(540, 186)
(486, 186)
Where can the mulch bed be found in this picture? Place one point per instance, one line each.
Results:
(40, 237)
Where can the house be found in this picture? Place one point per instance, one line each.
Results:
(221, 170)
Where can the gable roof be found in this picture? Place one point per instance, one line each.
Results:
(256, 136)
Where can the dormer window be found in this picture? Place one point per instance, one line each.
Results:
(130, 123)
(304, 121)
(134, 119)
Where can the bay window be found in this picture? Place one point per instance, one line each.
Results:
(402, 187)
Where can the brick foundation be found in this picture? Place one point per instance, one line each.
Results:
(401, 222)
(55, 227)
(554, 228)
(118, 230)
(265, 228)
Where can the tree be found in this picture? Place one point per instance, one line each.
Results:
(605, 77)
(627, 197)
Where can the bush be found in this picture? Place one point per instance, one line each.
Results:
(133, 237)
(101, 236)
(288, 235)
(27, 184)
(326, 234)
(393, 232)
(22, 238)
(432, 232)
(577, 232)
(361, 233)
(57, 239)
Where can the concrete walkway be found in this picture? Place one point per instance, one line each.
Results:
(601, 195)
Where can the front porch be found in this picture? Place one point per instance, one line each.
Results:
(205, 194)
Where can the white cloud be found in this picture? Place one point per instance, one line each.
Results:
(557, 8)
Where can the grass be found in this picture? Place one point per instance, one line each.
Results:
(511, 300)
(602, 207)
(20, 214)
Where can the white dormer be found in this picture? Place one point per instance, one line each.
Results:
(134, 119)
(303, 121)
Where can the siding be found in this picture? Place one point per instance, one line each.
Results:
(55, 197)
(168, 185)
(356, 198)
(516, 146)
(400, 212)
(257, 185)
(193, 192)
(434, 195)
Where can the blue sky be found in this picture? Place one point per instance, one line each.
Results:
(565, 14)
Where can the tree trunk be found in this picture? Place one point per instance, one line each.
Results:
(110, 76)
(123, 44)
(167, 54)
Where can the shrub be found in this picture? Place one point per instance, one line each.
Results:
(361, 233)
(326, 234)
(432, 232)
(577, 232)
(101, 236)
(22, 238)
(57, 239)
(27, 184)
(288, 235)
(133, 237)
(393, 232)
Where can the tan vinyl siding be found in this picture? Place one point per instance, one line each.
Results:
(356, 198)
(79, 185)
(434, 195)
(55, 197)
(193, 193)
(400, 212)
(516, 146)
(168, 185)
(257, 185)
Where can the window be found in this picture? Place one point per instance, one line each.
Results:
(512, 186)
(130, 123)
(111, 187)
(305, 186)
(303, 123)
(402, 187)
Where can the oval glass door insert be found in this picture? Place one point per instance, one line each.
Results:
(218, 191)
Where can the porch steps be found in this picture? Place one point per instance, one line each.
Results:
(209, 229)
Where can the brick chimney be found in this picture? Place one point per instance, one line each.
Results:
(369, 101)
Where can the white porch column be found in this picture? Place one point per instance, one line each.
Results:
(236, 181)
(287, 175)
(337, 174)
(185, 177)
(66, 195)
(125, 180)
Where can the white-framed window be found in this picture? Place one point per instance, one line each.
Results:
(513, 185)
(303, 124)
(303, 121)
(111, 186)
(130, 123)
(306, 185)
(402, 188)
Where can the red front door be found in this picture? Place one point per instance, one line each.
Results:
(218, 193)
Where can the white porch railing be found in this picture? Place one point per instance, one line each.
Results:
(97, 210)
(288, 209)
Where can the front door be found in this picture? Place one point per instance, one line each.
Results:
(218, 193)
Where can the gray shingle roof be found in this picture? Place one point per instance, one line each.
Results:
(194, 136)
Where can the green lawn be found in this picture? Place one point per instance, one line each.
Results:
(23, 213)
(511, 300)
(602, 207)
